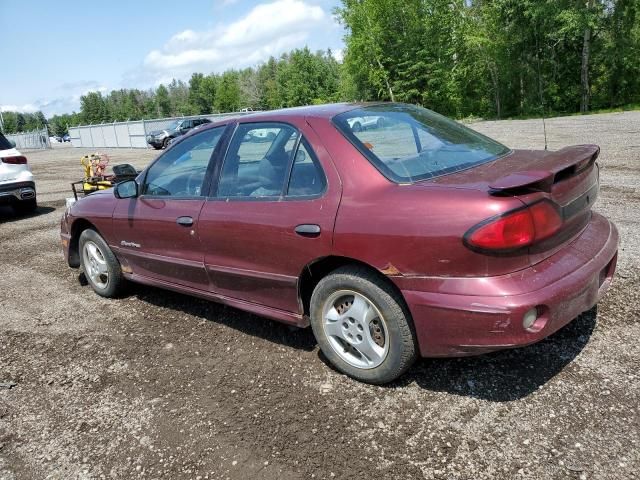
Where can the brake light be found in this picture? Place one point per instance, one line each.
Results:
(516, 229)
(17, 160)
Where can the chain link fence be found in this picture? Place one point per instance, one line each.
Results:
(36, 139)
(131, 134)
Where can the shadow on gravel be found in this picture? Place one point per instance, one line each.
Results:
(501, 376)
(246, 323)
(509, 374)
(8, 214)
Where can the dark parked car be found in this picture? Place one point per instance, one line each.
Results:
(161, 138)
(66, 137)
(417, 238)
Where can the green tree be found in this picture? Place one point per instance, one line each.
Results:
(93, 108)
(227, 98)
(163, 103)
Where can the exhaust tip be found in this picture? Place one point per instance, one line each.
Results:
(27, 194)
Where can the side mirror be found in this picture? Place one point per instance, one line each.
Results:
(12, 143)
(126, 189)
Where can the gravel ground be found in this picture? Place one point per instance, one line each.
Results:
(160, 385)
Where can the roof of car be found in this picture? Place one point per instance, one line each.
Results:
(327, 111)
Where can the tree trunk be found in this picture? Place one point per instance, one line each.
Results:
(496, 88)
(584, 70)
(386, 80)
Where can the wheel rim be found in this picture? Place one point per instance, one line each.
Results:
(355, 329)
(95, 265)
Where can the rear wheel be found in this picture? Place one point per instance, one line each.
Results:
(362, 325)
(24, 207)
(357, 127)
(100, 265)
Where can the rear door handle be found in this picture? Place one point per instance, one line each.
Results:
(308, 230)
(185, 221)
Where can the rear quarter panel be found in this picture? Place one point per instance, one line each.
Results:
(409, 230)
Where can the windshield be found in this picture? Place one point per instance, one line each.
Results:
(4, 143)
(408, 143)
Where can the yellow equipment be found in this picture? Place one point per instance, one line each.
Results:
(94, 178)
(94, 166)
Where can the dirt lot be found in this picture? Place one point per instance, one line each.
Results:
(160, 385)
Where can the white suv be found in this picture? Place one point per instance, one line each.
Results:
(17, 187)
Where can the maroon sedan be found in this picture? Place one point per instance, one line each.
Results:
(413, 235)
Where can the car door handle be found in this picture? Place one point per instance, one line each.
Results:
(185, 221)
(308, 230)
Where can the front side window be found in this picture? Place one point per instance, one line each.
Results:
(180, 172)
(257, 161)
(408, 143)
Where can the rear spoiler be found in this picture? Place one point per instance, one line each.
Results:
(563, 164)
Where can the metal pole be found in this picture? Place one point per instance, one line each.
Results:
(144, 129)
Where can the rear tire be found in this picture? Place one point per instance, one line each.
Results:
(25, 207)
(165, 143)
(357, 127)
(100, 265)
(362, 325)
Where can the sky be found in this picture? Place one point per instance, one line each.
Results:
(54, 52)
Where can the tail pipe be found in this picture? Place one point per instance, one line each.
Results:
(27, 193)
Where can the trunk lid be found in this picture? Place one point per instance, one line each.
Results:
(567, 177)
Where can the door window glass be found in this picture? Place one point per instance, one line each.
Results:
(180, 172)
(257, 162)
(307, 177)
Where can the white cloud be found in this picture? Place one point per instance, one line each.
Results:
(65, 99)
(26, 108)
(268, 29)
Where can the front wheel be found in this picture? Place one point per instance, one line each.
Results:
(362, 325)
(100, 265)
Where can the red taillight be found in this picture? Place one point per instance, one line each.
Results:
(17, 160)
(516, 229)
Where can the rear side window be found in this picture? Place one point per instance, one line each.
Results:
(257, 161)
(408, 143)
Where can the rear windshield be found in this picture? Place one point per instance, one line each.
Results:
(408, 143)
(4, 143)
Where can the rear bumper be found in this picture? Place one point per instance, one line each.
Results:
(466, 316)
(16, 192)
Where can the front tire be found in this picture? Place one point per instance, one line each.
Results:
(362, 325)
(100, 265)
